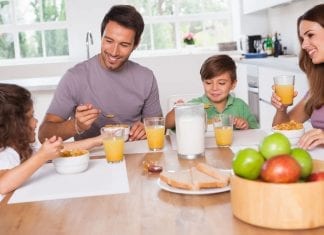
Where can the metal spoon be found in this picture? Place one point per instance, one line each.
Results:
(108, 115)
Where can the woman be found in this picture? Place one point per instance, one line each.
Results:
(17, 131)
(310, 28)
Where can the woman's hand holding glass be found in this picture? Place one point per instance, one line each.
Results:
(276, 100)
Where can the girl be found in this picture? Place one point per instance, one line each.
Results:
(17, 132)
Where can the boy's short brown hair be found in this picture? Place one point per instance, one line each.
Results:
(217, 65)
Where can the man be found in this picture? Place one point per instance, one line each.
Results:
(108, 88)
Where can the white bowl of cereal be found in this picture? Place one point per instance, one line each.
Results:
(292, 130)
(72, 161)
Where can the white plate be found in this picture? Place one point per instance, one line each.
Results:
(167, 187)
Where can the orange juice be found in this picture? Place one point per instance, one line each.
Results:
(114, 149)
(155, 137)
(286, 93)
(223, 135)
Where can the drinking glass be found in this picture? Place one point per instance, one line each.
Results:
(155, 129)
(257, 45)
(284, 88)
(113, 142)
(223, 130)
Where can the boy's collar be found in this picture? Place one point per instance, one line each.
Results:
(230, 100)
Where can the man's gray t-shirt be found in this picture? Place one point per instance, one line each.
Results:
(130, 94)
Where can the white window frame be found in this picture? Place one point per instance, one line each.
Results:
(14, 28)
(232, 15)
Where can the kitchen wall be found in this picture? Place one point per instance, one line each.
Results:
(282, 19)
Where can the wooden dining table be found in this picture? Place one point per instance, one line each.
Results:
(146, 209)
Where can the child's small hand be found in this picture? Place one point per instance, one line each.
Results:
(51, 147)
(240, 123)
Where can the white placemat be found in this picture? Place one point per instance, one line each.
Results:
(101, 178)
(242, 138)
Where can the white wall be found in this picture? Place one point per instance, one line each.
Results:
(283, 19)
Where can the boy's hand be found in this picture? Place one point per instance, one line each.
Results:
(240, 123)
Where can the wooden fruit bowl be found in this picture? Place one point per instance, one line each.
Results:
(279, 206)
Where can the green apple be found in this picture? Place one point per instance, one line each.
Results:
(305, 161)
(247, 163)
(274, 144)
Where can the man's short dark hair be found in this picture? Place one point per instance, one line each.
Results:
(126, 16)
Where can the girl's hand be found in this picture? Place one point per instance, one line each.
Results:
(240, 123)
(51, 148)
(311, 139)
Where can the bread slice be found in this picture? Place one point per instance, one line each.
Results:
(178, 179)
(201, 176)
(221, 177)
(201, 180)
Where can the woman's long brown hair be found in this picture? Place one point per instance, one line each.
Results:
(15, 102)
(314, 72)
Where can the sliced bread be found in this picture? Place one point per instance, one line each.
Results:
(201, 180)
(201, 176)
(221, 177)
(177, 179)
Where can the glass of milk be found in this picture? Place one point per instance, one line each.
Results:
(190, 120)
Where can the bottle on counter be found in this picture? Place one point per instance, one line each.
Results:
(277, 46)
(268, 47)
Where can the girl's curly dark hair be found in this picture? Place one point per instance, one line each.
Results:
(15, 102)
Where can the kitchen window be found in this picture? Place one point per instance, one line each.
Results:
(33, 29)
(167, 22)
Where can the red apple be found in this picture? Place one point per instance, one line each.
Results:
(316, 176)
(281, 169)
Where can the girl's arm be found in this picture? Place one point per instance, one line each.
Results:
(88, 143)
(13, 178)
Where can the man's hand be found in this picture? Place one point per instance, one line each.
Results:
(85, 115)
(137, 132)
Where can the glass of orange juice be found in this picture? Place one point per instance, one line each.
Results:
(223, 130)
(113, 142)
(155, 129)
(284, 88)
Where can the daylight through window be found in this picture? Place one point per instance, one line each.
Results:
(33, 29)
(174, 24)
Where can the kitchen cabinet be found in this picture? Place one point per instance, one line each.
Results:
(240, 90)
(250, 6)
(265, 76)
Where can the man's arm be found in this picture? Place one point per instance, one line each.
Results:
(55, 125)
(85, 115)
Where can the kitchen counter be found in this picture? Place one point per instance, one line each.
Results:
(289, 63)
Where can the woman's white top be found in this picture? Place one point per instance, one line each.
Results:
(9, 158)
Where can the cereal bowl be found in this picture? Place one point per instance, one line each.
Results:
(72, 161)
(292, 130)
(120, 126)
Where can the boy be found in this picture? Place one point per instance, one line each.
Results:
(218, 75)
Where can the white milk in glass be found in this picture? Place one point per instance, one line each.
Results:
(190, 130)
